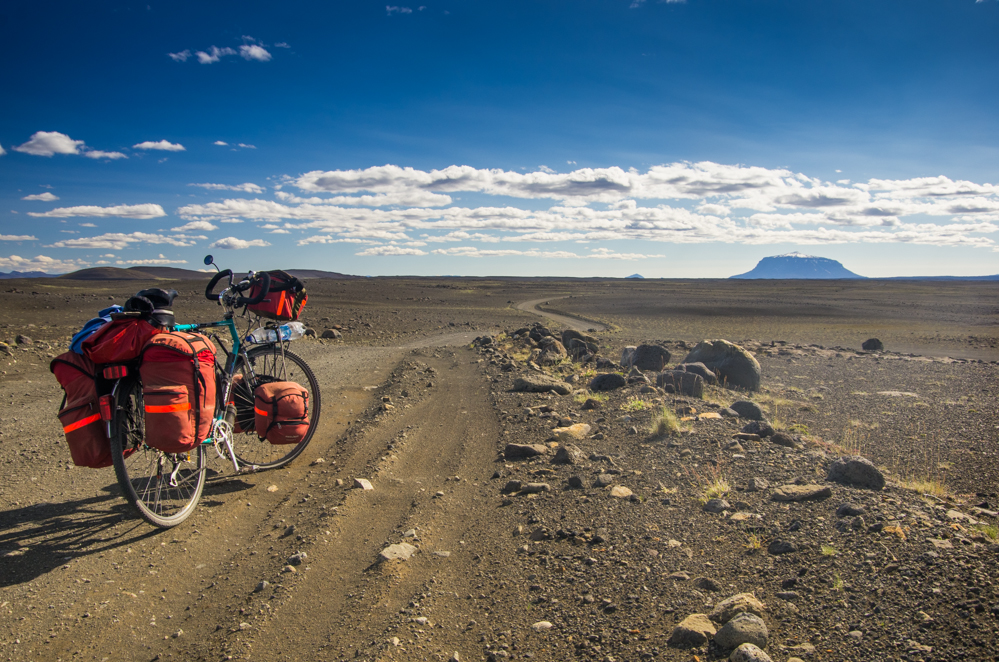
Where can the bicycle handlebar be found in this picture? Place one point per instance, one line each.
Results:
(215, 280)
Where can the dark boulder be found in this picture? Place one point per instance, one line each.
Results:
(873, 345)
(608, 382)
(734, 365)
(650, 357)
(699, 369)
(748, 409)
(678, 381)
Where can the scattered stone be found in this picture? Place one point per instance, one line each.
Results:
(680, 576)
(620, 492)
(518, 451)
(728, 412)
(733, 365)
(761, 429)
(608, 381)
(801, 492)
(297, 559)
(535, 488)
(873, 345)
(757, 484)
(575, 481)
(272, 488)
(850, 510)
(569, 454)
(541, 626)
(591, 404)
(603, 480)
(695, 630)
(743, 628)
(331, 334)
(540, 384)
(857, 471)
(699, 369)
(316, 461)
(716, 506)
(262, 586)
(940, 543)
(749, 653)
(577, 431)
(512, 486)
(650, 357)
(707, 584)
(778, 547)
(362, 484)
(748, 409)
(683, 383)
(399, 552)
(726, 610)
(289, 569)
(745, 436)
(626, 355)
(784, 439)
(23, 340)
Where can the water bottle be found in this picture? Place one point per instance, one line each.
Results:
(289, 331)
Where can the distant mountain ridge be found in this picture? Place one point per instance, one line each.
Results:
(26, 274)
(798, 266)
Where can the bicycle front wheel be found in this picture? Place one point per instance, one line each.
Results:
(269, 363)
(163, 487)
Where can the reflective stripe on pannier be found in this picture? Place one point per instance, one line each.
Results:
(178, 390)
(282, 411)
(80, 413)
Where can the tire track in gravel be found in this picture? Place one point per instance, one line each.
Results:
(573, 322)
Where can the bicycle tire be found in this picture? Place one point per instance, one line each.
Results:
(140, 468)
(269, 363)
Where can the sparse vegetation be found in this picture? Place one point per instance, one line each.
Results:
(837, 582)
(636, 404)
(990, 531)
(580, 398)
(828, 550)
(666, 424)
(753, 542)
(925, 485)
(798, 428)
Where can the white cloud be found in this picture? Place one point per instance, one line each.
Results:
(214, 54)
(47, 143)
(254, 52)
(181, 56)
(391, 250)
(17, 237)
(98, 154)
(88, 225)
(40, 263)
(281, 44)
(389, 10)
(245, 188)
(546, 169)
(118, 240)
(232, 243)
(195, 226)
(245, 146)
(120, 211)
(2, 150)
(44, 197)
(221, 143)
(161, 145)
(159, 261)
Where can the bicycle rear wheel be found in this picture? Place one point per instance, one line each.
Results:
(163, 487)
(269, 363)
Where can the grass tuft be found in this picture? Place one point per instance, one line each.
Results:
(666, 424)
(829, 550)
(925, 485)
(990, 531)
(635, 403)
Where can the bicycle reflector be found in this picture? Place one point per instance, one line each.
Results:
(107, 406)
(115, 372)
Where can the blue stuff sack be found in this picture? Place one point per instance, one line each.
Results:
(103, 317)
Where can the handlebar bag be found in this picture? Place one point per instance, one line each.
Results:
(178, 390)
(119, 341)
(80, 412)
(285, 299)
(282, 410)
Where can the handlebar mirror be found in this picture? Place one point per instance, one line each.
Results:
(209, 259)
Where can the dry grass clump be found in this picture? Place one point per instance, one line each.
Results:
(925, 485)
(580, 398)
(635, 403)
(666, 424)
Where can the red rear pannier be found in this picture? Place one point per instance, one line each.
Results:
(282, 411)
(80, 414)
(178, 390)
(285, 299)
(119, 341)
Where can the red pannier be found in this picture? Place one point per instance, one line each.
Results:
(282, 412)
(285, 299)
(80, 414)
(119, 341)
(178, 390)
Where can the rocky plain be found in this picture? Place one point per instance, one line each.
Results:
(530, 469)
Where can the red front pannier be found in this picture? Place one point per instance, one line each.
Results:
(119, 341)
(178, 390)
(285, 299)
(80, 414)
(282, 412)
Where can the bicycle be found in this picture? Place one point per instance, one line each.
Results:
(165, 487)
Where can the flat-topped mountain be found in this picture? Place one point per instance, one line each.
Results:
(797, 265)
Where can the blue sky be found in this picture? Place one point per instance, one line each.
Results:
(671, 139)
